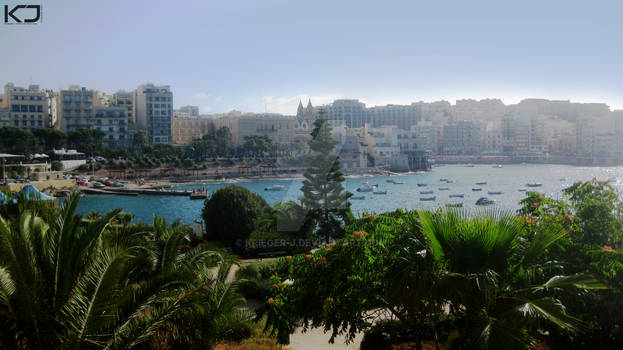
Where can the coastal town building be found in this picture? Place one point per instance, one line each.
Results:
(115, 123)
(28, 107)
(186, 129)
(186, 112)
(124, 99)
(5, 117)
(74, 108)
(153, 112)
(279, 128)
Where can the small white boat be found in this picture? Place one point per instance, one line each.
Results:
(494, 192)
(275, 188)
(423, 199)
(426, 192)
(534, 184)
(397, 182)
(99, 185)
(497, 166)
(380, 192)
(481, 183)
(444, 189)
(366, 187)
(484, 201)
(358, 197)
(457, 195)
(476, 189)
(421, 185)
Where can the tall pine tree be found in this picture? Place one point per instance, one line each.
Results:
(323, 193)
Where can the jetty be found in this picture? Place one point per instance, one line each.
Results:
(135, 191)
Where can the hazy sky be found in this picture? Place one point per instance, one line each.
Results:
(257, 55)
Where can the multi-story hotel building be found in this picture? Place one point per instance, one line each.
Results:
(28, 108)
(115, 122)
(153, 112)
(74, 108)
(124, 99)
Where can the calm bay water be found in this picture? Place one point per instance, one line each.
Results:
(407, 196)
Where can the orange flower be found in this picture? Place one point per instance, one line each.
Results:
(359, 234)
(608, 249)
(308, 257)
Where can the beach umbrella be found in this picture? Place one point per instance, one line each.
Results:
(31, 192)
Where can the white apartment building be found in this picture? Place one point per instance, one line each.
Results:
(153, 112)
(28, 107)
(383, 143)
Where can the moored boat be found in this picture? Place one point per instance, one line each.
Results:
(534, 184)
(428, 198)
(380, 192)
(481, 183)
(426, 192)
(454, 205)
(522, 190)
(444, 189)
(484, 201)
(457, 195)
(494, 192)
(421, 185)
(476, 189)
(358, 198)
(366, 187)
(275, 188)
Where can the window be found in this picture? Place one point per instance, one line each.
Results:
(32, 108)
(15, 108)
(39, 108)
(24, 108)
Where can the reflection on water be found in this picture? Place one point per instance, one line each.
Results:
(507, 180)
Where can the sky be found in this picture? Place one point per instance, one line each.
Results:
(266, 55)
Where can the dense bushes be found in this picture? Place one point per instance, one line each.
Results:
(230, 215)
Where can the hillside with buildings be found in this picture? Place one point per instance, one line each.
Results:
(533, 130)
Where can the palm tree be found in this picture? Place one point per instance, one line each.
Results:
(495, 279)
(102, 283)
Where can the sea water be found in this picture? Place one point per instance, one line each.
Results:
(508, 180)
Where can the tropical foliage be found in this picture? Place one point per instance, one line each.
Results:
(455, 279)
(69, 282)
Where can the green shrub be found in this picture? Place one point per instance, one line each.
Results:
(230, 215)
